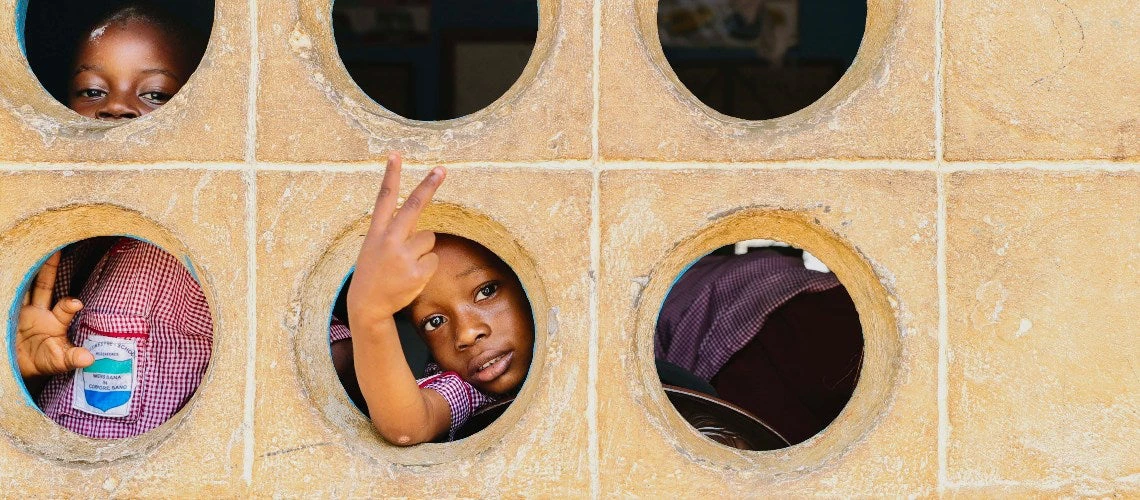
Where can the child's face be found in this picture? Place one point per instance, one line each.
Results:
(125, 70)
(475, 318)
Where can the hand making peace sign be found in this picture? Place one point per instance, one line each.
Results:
(396, 261)
(42, 347)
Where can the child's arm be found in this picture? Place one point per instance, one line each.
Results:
(42, 347)
(394, 265)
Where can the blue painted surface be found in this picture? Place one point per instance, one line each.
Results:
(21, 21)
(107, 400)
(674, 283)
(190, 268)
(343, 280)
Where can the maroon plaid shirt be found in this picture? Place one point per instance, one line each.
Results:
(463, 398)
(137, 290)
(722, 301)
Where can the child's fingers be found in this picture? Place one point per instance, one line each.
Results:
(45, 282)
(421, 242)
(428, 264)
(78, 357)
(65, 310)
(409, 212)
(389, 190)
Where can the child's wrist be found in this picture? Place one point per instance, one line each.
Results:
(367, 327)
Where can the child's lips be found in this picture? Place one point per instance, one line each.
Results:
(491, 365)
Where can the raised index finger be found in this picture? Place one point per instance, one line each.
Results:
(405, 220)
(389, 190)
(45, 282)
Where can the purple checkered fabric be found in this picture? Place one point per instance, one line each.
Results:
(138, 291)
(463, 398)
(721, 303)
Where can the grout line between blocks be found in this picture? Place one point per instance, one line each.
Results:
(378, 166)
(595, 258)
(597, 163)
(251, 250)
(943, 301)
(251, 324)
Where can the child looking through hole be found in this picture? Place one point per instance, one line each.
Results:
(131, 63)
(466, 303)
(116, 308)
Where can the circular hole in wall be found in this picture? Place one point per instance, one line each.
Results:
(435, 59)
(758, 345)
(111, 336)
(469, 336)
(318, 293)
(118, 59)
(760, 59)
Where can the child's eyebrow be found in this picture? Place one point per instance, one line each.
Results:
(85, 67)
(472, 269)
(160, 71)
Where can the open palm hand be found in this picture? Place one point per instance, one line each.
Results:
(42, 346)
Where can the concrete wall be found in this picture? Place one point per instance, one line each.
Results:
(972, 180)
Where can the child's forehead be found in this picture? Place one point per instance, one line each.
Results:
(459, 252)
(133, 28)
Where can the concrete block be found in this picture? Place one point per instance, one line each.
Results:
(1042, 80)
(196, 215)
(307, 101)
(882, 107)
(205, 121)
(1042, 290)
(311, 440)
(875, 228)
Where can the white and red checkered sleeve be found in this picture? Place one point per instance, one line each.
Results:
(338, 331)
(463, 399)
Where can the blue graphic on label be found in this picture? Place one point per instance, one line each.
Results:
(107, 387)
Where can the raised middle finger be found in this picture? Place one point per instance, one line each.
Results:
(405, 220)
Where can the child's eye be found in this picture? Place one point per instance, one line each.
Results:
(91, 93)
(156, 97)
(486, 291)
(432, 322)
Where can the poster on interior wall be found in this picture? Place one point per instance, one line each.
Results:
(770, 27)
(384, 20)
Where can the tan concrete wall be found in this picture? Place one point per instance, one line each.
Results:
(973, 180)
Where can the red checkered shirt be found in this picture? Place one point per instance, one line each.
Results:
(138, 290)
(463, 398)
(722, 301)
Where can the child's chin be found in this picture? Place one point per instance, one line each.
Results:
(506, 384)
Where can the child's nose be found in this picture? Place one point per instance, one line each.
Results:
(117, 108)
(470, 330)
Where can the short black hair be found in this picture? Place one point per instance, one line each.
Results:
(191, 42)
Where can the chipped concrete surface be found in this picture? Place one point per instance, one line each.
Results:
(1017, 377)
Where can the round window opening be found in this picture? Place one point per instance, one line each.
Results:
(115, 60)
(758, 345)
(435, 59)
(760, 59)
(113, 336)
(467, 339)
